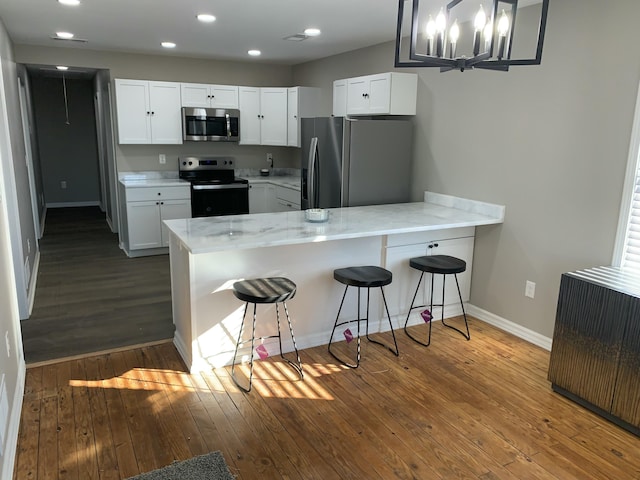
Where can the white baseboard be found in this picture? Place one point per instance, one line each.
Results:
(508, 326)
(42, 222)
(9, 457)
(34, 280)
(72, 204)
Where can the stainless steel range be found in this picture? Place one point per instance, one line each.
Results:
(215, 190)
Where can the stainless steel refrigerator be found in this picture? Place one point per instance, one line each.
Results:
(352, 162)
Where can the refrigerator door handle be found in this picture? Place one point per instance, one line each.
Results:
(311, 175)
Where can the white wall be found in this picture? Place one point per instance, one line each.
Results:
(550, 142)
(174, 69)
(12, 367)
(23, 236)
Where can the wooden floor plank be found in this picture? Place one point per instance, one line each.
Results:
(118, 424)
(481, 409)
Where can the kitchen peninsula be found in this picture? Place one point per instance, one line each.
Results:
(209, 254)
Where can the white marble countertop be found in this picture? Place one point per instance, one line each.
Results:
(150, 179)
(289, 181)
(236, 232)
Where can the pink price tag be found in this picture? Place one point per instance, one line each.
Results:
(348, 335)
(426, 315)
(261, 350)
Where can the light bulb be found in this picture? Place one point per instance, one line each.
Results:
(65, 35)
(481, 19)
(431, 28)
(454, 32)
(503, 24)
(488, 31)
(441, 22)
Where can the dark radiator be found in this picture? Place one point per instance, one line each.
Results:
(595, 359)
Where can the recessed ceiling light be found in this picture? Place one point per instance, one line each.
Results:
(168, 44)
(69, 2)
(62, 67)
(206, 18)
(64, 35)
(254, 53)
(312, 32)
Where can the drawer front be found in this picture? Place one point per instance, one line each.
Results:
(288, 194)
(140, 194)
(429, 236)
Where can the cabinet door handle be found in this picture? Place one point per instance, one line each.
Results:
(159, 193)
(429, 246)
(161, 203)
(435, 244)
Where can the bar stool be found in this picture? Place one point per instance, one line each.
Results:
(443, 265)
(265, 290)
(362, 277)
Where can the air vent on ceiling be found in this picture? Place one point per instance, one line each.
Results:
(79, 40)
(298, 37)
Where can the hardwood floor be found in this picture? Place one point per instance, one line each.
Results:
(90, 296)
(481, 409)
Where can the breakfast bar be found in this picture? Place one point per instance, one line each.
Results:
(208, 255)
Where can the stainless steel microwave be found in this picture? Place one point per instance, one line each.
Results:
(210, 124)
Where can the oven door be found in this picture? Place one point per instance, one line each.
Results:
(219, 199)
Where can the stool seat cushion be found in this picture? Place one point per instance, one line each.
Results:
(367, 276)
(443, 264)
(265, 290)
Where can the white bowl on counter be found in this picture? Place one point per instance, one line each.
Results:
(316, 215)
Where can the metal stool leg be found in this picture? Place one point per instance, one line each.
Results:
(336, 324)
(296, 366)
(411, 307)
(395, 352)
(253, 336)
(467, 335)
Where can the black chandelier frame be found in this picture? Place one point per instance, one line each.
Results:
(484, 60)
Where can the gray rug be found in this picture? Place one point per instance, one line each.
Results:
(205, 467)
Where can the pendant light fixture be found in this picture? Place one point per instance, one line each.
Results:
(467, 34)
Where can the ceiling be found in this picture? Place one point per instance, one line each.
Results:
(141, 25)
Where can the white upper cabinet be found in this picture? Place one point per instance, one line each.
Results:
(209, 96)
(148, 112)
(302, 102)
(381, 94)
(263, 116)
(340, 98)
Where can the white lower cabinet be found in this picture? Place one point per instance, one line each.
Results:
(402, 247)
(267, 197)
(262, 197)
(146, 208)
(287, 199)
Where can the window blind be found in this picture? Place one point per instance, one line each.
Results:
(631, 254)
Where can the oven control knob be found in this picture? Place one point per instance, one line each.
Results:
(190, 163)
(184, 163)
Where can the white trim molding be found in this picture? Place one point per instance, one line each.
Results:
(628, 187)
(9, 457)
(33, 281)
(508, 326)
(72, 204)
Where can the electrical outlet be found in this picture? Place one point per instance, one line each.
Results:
(530, 289)
(270, 157)
(163, 158)
(63, 184)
